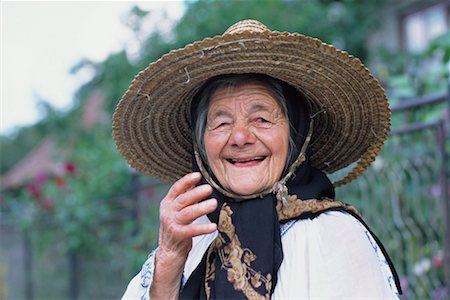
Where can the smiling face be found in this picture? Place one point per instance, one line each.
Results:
(246, 138)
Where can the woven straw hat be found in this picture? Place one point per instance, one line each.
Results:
(151, 124)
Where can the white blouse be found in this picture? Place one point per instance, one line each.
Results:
(332, 256)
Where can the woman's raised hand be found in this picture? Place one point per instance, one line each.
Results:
(179, 209)
(182, 205)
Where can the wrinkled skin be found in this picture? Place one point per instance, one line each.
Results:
(246, 138)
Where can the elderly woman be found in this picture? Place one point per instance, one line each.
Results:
(246, 125)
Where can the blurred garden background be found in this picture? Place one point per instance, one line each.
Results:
(77, 223)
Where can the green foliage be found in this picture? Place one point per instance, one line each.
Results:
(80, 200)
(88, 200)
(112, 77)
(332, 21)
(15, 146)
(408, 75)
(135, 17)
(440, 44)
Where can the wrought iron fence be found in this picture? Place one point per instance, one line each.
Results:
(404, 197)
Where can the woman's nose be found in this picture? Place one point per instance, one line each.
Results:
(241, 135)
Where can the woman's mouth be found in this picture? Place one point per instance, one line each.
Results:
(246, 162)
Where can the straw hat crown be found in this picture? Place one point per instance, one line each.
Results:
(246, 25)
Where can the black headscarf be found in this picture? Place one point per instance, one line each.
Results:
(255, 221)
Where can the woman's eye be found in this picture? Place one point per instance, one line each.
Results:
(262, 122)
(221, 125)
(218, 123)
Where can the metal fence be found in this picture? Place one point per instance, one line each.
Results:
(403, 196)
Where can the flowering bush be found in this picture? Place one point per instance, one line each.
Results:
(78, 198)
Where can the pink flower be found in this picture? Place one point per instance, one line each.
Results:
(70, 167)
(34, 191)
(41, 179)
(437, 261)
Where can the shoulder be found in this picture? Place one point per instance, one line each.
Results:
(328, 225)
(333, 255)
(332, 232)
(336, 233)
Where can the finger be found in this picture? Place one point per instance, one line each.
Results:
(193, 230)
(192, 212)
(183, 184)
(193, 196)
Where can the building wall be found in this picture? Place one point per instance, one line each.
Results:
(398, 15)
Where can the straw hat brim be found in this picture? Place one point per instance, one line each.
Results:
(151, 124)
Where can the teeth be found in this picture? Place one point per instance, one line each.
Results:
(246, 160)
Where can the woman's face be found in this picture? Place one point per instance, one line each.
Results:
(246, 138)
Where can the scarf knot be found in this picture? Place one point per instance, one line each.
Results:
(281, 192)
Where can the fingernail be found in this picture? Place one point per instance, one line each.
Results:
(205, 188)
(195, 175)
(213, 202)
(210, 202)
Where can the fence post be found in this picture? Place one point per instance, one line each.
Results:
(445, 174)
(444, 190)
(74, 278)
(28, 266)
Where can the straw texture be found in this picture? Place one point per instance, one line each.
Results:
(151, 124)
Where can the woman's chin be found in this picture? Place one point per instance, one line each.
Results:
(245, 189)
